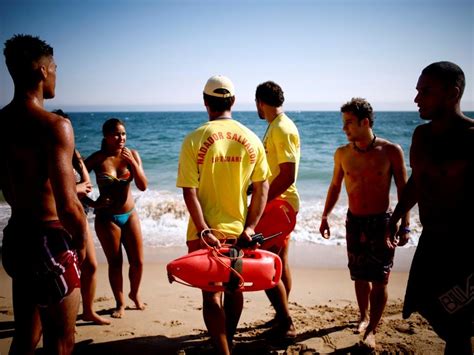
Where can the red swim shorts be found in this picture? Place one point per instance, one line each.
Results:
(277, 217)
(40, 255)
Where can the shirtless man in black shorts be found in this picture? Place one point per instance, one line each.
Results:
(366, 165)
(441, 282)
(44, 241)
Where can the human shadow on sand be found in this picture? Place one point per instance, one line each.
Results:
(7, 329)
(198, 344)
(158, 344)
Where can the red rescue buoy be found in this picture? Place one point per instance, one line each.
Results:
(218, 270)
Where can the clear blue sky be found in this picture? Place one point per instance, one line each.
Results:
(147, 55)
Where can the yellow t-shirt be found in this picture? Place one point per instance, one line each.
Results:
(220, 159)
(282, 145)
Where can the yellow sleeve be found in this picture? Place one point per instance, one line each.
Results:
(287, 144)
(262, 170)
(188, 174)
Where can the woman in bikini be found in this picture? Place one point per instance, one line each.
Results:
(115, 167)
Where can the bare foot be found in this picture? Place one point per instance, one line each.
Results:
(118, 312)
(362, 326)
(369, 340)
(282, 330)
(95, 318)
(138, 304)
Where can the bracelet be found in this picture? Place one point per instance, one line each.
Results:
(203, 233)
(405, 230)
(324, 217)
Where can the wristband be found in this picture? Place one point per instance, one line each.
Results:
(324, 217)
(203, 233)
(405, 230)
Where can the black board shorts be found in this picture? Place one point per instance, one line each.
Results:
(369, 257)
(441, 281)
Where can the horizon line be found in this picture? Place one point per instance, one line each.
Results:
(127, 110)
(243, 107)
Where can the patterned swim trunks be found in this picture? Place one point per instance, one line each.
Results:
(40, 254)
(369, 257)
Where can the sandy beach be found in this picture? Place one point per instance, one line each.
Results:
(322, 303)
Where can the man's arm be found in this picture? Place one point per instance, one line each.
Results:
(283, 181)
(68, 206)
(406, 201)
(400, 176)
(333, 193)
(3, 170)
(255, 211)
(408, 196)
(195, 211)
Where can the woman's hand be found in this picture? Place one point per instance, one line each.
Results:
(127, 155)
(83, 189)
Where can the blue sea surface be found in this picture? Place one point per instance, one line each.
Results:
(157, 136)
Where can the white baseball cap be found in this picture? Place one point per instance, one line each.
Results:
(217, 83)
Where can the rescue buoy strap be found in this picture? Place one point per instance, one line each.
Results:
(235, 277)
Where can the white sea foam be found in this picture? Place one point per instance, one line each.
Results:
(309, 219)
(164, 219)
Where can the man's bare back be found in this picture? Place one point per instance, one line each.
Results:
(26, 149)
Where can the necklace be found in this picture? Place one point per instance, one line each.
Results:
(369, 147)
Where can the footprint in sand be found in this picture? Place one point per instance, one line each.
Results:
(124, 334)
(405, 328)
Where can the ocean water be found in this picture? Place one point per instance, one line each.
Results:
(158, 135)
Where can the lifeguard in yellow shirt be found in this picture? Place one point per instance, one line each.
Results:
(282, 147)
(217, 163)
